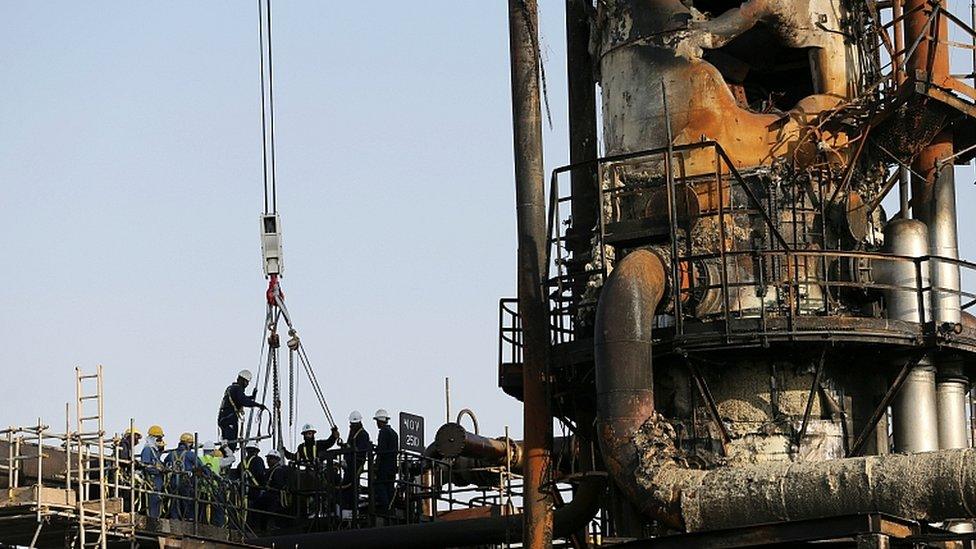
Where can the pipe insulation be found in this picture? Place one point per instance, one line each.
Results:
(929, 486)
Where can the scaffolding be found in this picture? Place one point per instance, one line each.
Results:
(57, 482)
(85, 488)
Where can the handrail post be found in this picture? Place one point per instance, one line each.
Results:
(67, 446)
(193, 478)
(920, 291)
(132, 480)
(40, 467)
(16, 471)
(721, 247)
(10, 457)
(672, 218)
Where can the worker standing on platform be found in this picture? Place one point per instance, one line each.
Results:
(232, 408)
(387, 446)
(275, 498)
(253, 476)
(152, 466)
(213, 491)
(310, 452)
(182, 463)
(130, 439)
(357, 449)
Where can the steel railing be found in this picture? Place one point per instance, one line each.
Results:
(795, 267)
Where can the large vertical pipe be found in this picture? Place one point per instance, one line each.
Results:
(952, 388)
(915, 424)
(934, 203)
(624, 374)
(930, 58)
(531, 212)
(914, 412)
(582, 131)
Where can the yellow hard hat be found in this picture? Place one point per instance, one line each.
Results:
(186, 438)
(133, 431)
(155, 431)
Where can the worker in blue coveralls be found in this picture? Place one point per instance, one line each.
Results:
(232, 408)
(152, 469)
(181, 464)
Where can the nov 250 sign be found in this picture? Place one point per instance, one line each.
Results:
(411, 432)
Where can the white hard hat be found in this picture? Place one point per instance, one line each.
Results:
(308, 427)
(252, 446)
(246, 374)
(382, 415)
(272, 453)
(355, 417)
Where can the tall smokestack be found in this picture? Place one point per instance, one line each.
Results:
(530, 196)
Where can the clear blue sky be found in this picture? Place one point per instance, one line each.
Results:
(131, 174)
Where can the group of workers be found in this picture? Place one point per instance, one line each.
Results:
(184, 477)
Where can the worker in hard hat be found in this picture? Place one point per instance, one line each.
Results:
(207, 457)
(217, 457)
(124, 464)
(253, 474)
(181, 464)
(275, 498)
(232, 408)
(310, 452)
(211, 483)
(357, 447)
(152, 466)
(129, 440)
(387, 449)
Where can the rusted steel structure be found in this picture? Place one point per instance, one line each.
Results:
(739, 332)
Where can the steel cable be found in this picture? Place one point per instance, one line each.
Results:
(264, 117)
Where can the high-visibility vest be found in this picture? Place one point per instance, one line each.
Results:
(211, 461)
(303, 452)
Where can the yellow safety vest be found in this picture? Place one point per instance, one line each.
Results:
(304, 451)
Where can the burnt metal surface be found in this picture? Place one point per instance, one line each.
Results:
(749, 147)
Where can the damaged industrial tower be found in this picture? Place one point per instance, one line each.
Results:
(739, 332)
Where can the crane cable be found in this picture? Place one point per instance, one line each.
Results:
(276, 309)
(267, 111)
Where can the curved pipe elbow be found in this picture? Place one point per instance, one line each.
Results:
(624, 374)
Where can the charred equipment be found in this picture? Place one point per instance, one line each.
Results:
(738, 332)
